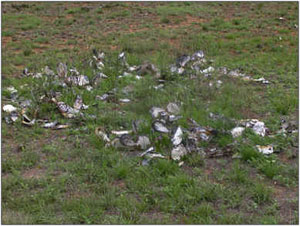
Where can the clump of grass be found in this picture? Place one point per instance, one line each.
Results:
(261, 194)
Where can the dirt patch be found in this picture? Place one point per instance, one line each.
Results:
(5, 40)
(34, 173)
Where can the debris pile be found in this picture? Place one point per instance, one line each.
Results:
(164, 120)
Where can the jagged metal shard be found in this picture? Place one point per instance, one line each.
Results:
(197, 55)
(78, 104)
(177, 138)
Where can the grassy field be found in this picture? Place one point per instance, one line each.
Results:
(69, 176)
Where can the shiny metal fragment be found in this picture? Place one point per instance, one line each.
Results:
(208, 70)
(125, 100)
(149, 69)
(62, 70)
(160, 127)
(177, 138)
(261, 80)
(237, 131)
(178, 152)
(50, 124)
(198, 55)
(266, 150)
(121, 132)
(173, 108)
(257, 126)
(173, 118)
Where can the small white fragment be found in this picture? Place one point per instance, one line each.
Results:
(120, 133)
(237, 131)
(155, 111)
(143, 142)
(266, 150)
(124, 100)
(208, 70)
(173, 108)
(9, 108)
(177, 138)
(178, 152)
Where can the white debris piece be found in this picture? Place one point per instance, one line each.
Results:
(262, 80)
(177, 138)
(160, 127)
(173, 108)
(208, 70)
(122, 132)
(9, 108)
(155, 111)
(11, 89)
(237, 131)
(266, 150)
(178, 152)
(143, 142)
(257, 126)
(124, 100)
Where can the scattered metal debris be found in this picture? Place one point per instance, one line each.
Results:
(9, 108)
(237, 131)
(177, 138)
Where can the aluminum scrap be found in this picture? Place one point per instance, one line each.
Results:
(266, 150)
(80, 80)
(103, 135)
(62, 70)
(9, 108)
(143, 142)
(121, 132)
(178, 152)
(173, 108)
(237, 131)
(65, 109)
(160, 127)
(78, 104)
(155, 111)
(177, 138)
(257, 126)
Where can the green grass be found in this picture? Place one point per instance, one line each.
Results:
(70, 177)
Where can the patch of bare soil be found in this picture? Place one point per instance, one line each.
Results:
(34, 173)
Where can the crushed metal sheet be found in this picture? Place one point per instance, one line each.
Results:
(261, 80)
(266, 150)
(173, 108)
(78, 104)
(125, 100)
(50, 124)
(198, 55)
(9, 108)
(237, 131)
(127, 140)
(103, 135)
(121, 132)
(178, 152)
(183, 60)
(160, 127)
(62, 70)
(177, 138)
(80, 80)
(65, 109)
(173, 118)
(155, 111)
(143, 142)
(257, 126)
